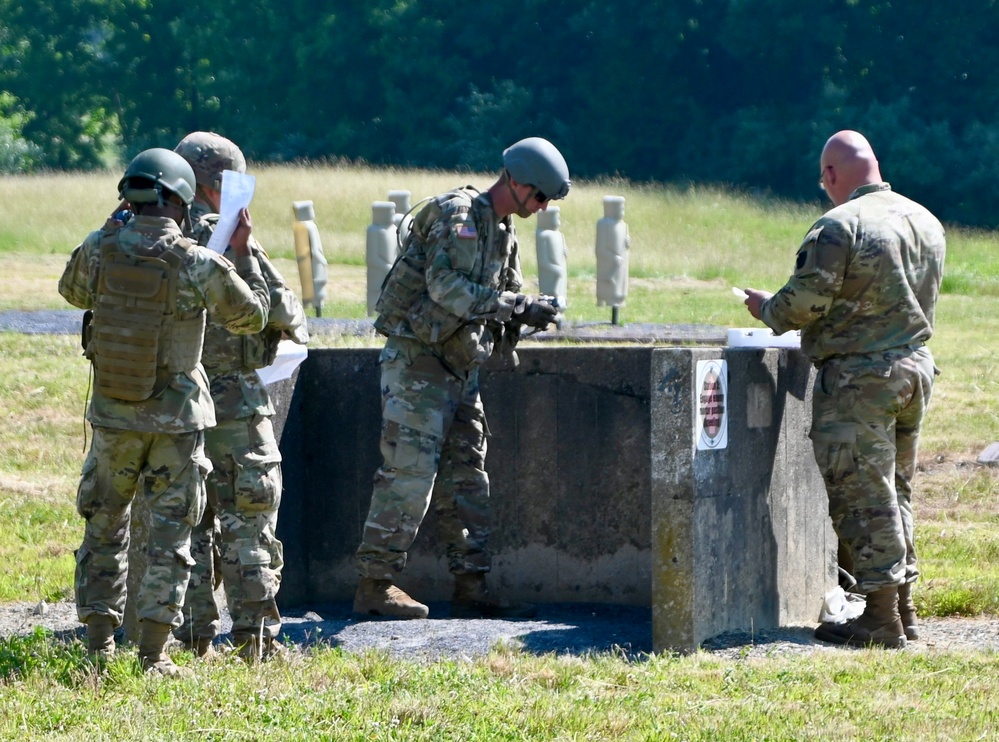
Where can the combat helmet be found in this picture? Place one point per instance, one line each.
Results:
(209, 154)
(162, 170)
(535, 161)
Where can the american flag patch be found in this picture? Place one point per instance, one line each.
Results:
(467, 232)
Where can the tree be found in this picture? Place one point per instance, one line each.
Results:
(53, 60)
(17, 155)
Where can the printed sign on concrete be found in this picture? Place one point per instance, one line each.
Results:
(711, 390)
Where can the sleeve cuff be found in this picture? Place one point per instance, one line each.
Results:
(507, 301)
(247, 264)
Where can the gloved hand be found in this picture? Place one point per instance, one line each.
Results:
(534, 311)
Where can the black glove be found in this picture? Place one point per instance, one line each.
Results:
(537, 312)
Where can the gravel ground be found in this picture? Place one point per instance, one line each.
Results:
(567, 629)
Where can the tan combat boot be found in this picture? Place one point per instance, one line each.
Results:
(252, 649)
(100, 636)
(907, 611)
(473, 600)
(878, 625)
(382, 598)
(201, 647)
(153, 637)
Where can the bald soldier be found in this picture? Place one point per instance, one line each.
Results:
(863, 293)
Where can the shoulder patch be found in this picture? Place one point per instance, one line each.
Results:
(806, 251)
(467, 232)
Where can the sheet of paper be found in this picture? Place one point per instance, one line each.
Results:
(237, 192)
(740, 293)
(289, 356)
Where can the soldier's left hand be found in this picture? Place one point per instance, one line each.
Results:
(536, 313)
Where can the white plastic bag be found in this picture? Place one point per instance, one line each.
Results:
(839, 606)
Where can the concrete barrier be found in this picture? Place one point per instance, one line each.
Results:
(600, 491)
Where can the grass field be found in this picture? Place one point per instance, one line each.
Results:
(688, 246)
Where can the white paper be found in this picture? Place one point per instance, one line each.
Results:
(740, 293)
(237, 192)
(289, 356)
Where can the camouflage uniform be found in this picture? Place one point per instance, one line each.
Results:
(156, 444)
(863, 293)
(244, 487)
(433, 424)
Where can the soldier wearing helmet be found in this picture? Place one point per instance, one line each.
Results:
(148, 289)
(452, 299)
(535, 162)
(209, 154)
(236, 540)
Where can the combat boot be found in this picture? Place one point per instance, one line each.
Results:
(100, 636)
(153, 637)
(879, 624)
(382, 598)
(251, 649)
(472, 599)
(201, 647)
(907, 611)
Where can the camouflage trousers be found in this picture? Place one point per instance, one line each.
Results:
(235, 542)
(169, 471)
(866, 416)
(433, 445)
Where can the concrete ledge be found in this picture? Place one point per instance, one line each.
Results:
(599, 492)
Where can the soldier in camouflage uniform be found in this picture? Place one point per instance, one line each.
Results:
(149, 288)
(863, 293)
(244, 487)
(451, 300)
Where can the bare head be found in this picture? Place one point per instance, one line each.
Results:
(847, 163)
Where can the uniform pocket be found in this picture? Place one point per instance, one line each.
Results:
(254, 556)
(86, 491)
(834, 446)
(411, 438)
(82, 576)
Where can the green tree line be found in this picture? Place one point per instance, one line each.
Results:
(740, 92)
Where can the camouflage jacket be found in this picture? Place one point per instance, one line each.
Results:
(866, 279)
(469, 264)
(231, 360)
(205, 282)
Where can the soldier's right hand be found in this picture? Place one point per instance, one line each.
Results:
(534, 312)
(241, 235)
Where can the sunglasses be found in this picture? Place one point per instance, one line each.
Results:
(540, 197)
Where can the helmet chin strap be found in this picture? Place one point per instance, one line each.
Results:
(522, 211)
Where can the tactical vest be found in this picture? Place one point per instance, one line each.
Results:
(406, 282)
(137, 340)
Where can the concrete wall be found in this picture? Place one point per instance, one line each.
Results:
(599, 493)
